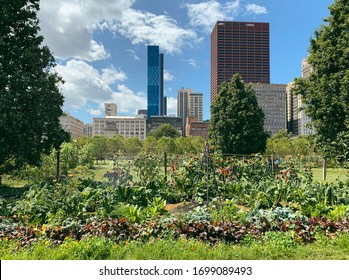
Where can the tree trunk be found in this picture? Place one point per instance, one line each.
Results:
(165, 165)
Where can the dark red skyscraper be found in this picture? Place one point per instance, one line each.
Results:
(239, 47)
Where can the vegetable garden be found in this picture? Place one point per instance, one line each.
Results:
(205, 199)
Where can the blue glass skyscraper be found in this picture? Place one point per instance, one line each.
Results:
(155, 82)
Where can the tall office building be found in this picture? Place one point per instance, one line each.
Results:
(165, 106)
(195, 105)
(298, 120)
(189, 104)
(155, 82)
(239, 47)
(162, 99)
(183, 105)
(272, 99)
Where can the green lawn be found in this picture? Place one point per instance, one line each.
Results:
(181, 249)
(100, 169)
(332, 174)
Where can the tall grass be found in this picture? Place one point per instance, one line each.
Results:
(276, 247)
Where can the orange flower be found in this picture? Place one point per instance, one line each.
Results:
(224, 172)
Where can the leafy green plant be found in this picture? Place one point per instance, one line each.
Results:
(282, 240)
(200, 213)
(155, 208)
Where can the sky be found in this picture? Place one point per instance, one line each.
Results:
(100, 46)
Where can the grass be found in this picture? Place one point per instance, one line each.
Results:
(333, 174)
(100, 169)
(181, 249)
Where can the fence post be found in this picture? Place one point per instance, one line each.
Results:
(324, 169)
(272, 165)
(165, 165)
(207, 152)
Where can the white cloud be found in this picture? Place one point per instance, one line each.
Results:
(232, 7)
(128, 101)
(94, 112)
(191, 62)
(83, 82)
(150, 29)
(67, 25)
(133, 54)
(206, 14)
(255, 9)
(111, 75)
(168, 76)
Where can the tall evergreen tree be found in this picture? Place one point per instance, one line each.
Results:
(30, 101)
(326, 91)
(237, 122)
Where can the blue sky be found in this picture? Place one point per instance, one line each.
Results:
(100, 46)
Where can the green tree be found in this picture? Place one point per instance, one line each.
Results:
(167, 145)
(184, 145)
(165, 130)
(302, 145)
(150, 145)
(326, 91)
(280, 144)
(30, 101)
(69, 156)
(132, 146)
(116, 144)
(100, 147)
(237, 122)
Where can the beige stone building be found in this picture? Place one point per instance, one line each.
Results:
(272, 99)
(110, 109)
(307, 69)
(72, 125)
(128, 127)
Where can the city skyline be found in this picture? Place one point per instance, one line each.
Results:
(101, 47)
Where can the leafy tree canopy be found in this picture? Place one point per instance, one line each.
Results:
(326, 91)
(165, 130)
(132, 146)
(237, 122)
(282, 143)
(30, 101)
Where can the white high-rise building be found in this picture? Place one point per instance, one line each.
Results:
(297, 120)
(303, 119)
